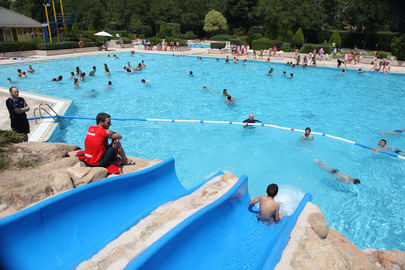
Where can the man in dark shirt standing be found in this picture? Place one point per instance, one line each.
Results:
(251, 120)
(17, 107)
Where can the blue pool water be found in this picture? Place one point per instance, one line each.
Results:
(194, 45)
(355, 106)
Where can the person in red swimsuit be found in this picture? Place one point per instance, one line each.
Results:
(98, 152)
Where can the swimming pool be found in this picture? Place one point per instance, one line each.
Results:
(196, 45)
(355, 106)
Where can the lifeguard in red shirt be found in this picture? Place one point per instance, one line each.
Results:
(97, 150)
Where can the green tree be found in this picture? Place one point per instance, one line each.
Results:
(135, 25)
(398, 47)
(5, 3)
(214, 22)
(299, 37)
(335, 38)
(240, 13)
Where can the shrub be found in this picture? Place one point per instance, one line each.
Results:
(276, 43)
(308, 47)
(141, 36)
(190, 35)
(237, 41)
(218, 45)
(382, 54)
(257, 36)
(335, 38)
(286, 47)
(10, 136)
(299, 38)
(147, 30)
(126, 40)
(14, 46)
(221, 37)
(259, 44)
(398, 47)
(58, 45)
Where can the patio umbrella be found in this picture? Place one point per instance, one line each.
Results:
(103, 34)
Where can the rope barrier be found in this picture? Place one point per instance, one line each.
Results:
(230, 123)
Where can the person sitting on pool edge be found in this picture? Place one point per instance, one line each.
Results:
(338, 174)
(98, 153)
(307, 135)
(269, 209)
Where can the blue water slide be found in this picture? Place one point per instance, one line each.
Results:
(223, 235)
(65, 230)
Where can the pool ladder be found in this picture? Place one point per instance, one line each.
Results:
(41, 109)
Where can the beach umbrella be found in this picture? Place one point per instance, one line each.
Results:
(103, 34)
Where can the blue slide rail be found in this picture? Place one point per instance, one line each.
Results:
(65, 230)
(223, 235)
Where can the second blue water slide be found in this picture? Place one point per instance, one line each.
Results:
(223, 235)
(65, 230)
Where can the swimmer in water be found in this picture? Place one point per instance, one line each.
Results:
(244, 62)
(145, 82)
(210, 90)
(383, 145)
(72, 75)
(269, 209)
(21, 74)
(270, 72)
(268, 60)
(251, 120)
(93, 71)
(230, 99)
(341, 177)
(92, 94)
(76, 83)
(9, 80)
(291, 76)
(342, 72)
(360, 71)
(57, 79)
(284, 73)
(227, 60)
(396, 131)
(109, 85)
(307, 135)
(225, 93)
(30, 69)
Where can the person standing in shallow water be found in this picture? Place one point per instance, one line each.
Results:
(17, 108)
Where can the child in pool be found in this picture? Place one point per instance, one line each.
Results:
(269, 209)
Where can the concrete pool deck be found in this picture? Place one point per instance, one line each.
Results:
(42, 131)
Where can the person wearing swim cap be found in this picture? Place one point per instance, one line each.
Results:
(269, 209)
(307, 135)
(341, 177)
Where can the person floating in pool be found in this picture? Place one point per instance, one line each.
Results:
(98, 153)
(383, 145)
(341, 177)
(396, 131)
(307, 136)
(145, 82)
(269, 210)
(57, 79)
(210, 89)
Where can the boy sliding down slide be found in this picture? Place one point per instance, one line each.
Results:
(269, 209)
